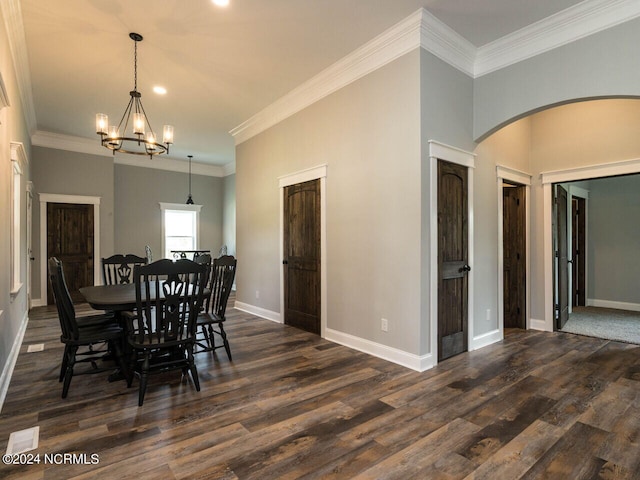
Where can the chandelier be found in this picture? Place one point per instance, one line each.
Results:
(143, 141)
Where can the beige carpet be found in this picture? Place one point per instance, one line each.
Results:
(609, 323)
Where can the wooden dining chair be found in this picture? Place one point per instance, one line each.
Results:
(118, 269)
(86, 332)
(161, 331)
(211, 321)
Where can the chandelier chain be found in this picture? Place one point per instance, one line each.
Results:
(135, 65)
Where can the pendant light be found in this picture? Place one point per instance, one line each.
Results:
(189, 198)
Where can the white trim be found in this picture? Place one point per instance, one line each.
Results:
(7, 371)
(19, 155)
(20, 162)
(560, 176)
(12, 14)
(4, 96)
(71, 143)
(445, 43)
(576, 22)
(315, 173)
(164, 206)
(441, 151)
(512, 175)
(259, 311)
(451, 154)
(180, 206)
(62, 198)
(400, 357)
(306, 175)
(486, 339)
(587, 172)
(537, 324)
(420, 29)
(386, 47)
(594, 302)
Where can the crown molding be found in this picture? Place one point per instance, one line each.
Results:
(12, 14)
(419, 29)
(229, 168)
(445, 43)
(84, 145)
(569, 25)
(422, 29)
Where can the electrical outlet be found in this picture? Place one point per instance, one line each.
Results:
(384, 325)
(257, 293)
(488, 314)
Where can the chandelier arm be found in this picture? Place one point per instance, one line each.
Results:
(126, 114)
(146, 118)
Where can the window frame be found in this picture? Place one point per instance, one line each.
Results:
(168, 207)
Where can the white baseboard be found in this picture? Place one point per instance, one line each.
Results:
(594, 302)
(486, 339)
(259, 312)
(409, 360)
(536, 324)
(7, 371)
(38, 302)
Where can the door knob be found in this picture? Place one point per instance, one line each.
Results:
(465, 268)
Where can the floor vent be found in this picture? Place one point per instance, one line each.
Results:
(23, 440)
(36, 347)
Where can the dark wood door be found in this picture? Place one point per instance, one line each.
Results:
(562, 276)
(452, 259)
(514, 256)
(578, 251)
(301, 260)
(70, 239)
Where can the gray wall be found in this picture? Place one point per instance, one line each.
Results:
(614, 239)
(368, 134)
(565, 137)
(600, 65)
(71, 173)
(446, 102)
(129, 200)
(138, 192)
(13, 128)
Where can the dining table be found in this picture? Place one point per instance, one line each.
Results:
(117, 299)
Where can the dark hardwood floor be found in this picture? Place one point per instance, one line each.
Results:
(292, 405)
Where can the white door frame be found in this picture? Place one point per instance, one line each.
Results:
(522, 178)
(77, 199)
(440, 151)
(315, 173)
(569, 175)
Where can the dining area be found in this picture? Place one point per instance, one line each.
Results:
(146, 317)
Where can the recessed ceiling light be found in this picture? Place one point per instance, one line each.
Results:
(221, 3)
(160, 90)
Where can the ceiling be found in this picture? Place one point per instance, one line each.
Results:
(220, 66)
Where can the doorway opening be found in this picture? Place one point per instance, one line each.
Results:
(595, 244)
(514, 245)
(93, 205)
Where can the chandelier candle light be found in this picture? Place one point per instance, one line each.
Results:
(143, 142)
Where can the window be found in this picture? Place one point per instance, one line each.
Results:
(180, 227)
